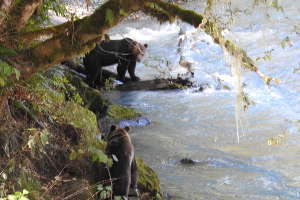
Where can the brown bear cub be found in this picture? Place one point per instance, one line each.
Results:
(125, 53)
(124, 169)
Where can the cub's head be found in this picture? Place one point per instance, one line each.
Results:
(115, 133)
(139, 50)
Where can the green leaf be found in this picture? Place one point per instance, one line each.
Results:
(4, 176)
(6, 69)
(23, 198)
(122, 12)
(2, 82)
(151, 5)
(103, 195)
(44, 137)
(31, 142)
(73, 155)
(8, 51)
(100, 187)
(109, 16)
(118, 198)
(98, 155)
(81, 151)
(11, 197)
(108, 188)
(25, 191)
(18, 73)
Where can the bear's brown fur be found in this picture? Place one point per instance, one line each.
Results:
(125, 53)
(124, 168)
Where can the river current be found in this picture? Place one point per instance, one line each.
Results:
(265, 163)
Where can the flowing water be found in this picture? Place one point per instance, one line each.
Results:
(262, 161)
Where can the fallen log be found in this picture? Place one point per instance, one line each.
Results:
(156, 84)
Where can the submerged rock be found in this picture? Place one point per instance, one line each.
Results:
(188, 161)
(137, 122)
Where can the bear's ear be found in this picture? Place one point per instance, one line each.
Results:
(113, 128)
(127, 128)
(145, 45)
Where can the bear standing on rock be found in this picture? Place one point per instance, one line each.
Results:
(125, 52)
(124, 168)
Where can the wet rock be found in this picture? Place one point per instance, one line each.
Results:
(188, 161)
(203, 87)
(137, 122)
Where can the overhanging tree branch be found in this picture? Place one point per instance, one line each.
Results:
(50, 32)
(21, 13)
(73, 38)
(85, 32)
(5, 7)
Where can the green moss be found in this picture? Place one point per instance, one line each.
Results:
(148, 180)
(61, 101)
(92, 98)
(118, 112)
(77, 116)
(188, 16)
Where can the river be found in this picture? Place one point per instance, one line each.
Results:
(263, 162)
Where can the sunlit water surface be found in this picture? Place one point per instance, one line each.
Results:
(201, 126)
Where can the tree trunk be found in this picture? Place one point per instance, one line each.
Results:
(5, 6)
(18, 14)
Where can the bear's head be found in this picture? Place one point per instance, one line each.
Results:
(115, 133)
(139, 50)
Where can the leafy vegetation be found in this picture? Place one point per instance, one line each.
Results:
(17, 196)
(6, 72)
(50, 136)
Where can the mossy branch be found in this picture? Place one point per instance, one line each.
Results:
(157, 13)
(48, 32)
(85, 33)
(188, 16)
(5, 7)
(73, 38)
(21, 13)
(50, 52)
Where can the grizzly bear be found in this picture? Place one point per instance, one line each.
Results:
(125, 52)
(123, 171)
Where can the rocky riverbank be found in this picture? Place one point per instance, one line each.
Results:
(50, 131)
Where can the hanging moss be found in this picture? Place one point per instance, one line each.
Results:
(188, 16)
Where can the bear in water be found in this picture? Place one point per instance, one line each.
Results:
(125, 52)
(124, 168)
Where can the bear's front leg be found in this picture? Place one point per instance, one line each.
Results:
(121, 69)
(131, 71)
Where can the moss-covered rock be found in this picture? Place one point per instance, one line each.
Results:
(77, 116)
(92, 98)
(118, 112)
(148, 180)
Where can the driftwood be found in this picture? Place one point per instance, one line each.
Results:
(156, 84)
